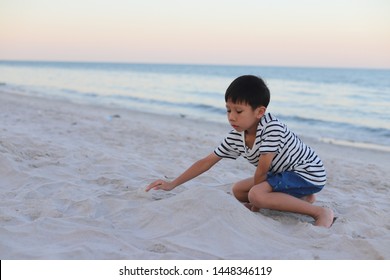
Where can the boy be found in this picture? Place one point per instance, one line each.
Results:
(288, 172)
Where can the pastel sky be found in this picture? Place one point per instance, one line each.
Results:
(321, 33)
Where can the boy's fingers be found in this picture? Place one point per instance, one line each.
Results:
(149, 187)
(153, 185)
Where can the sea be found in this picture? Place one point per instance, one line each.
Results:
(345, 106)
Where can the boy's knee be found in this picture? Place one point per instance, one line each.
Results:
(257, 194)
(236, 189)
(253, 196)
(240, 189)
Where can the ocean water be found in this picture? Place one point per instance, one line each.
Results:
(348, 106)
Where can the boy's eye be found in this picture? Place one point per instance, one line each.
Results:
(239, 112)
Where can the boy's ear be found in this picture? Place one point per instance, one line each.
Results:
(260, 111)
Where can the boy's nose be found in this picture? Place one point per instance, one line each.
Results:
(231, 117)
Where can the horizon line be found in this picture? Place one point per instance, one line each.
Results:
(191, 63)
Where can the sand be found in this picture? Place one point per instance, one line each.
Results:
(73, 178)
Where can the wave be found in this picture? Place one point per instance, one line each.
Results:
(339, 130)
(313, 121)
(171, 104)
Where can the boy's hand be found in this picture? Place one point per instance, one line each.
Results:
(160, 185)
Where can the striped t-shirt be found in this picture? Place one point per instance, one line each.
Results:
(274, 137)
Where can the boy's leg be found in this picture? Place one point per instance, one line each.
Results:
(241, 189)
(262, 196)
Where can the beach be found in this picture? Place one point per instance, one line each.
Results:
(73, 178)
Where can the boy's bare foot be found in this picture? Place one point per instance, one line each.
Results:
(251, 207)
(325, 219)
(311, 198)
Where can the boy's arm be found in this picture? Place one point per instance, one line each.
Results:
(193, 171)
(263, 167)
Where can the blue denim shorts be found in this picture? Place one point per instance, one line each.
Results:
(291, 183)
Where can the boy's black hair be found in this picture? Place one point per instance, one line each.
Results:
(248, 89)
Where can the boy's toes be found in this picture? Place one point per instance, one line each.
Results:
(311, 198)
(251, 207)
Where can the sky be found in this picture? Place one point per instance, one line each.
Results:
(311, 33)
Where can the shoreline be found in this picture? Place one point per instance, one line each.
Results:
(81, 102)
(73, 179)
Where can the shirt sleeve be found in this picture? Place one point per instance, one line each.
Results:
(273, 138)
(228, 148)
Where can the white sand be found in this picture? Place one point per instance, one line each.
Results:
(72, 187)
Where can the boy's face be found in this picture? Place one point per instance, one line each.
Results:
(242, 117)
